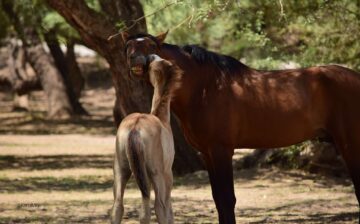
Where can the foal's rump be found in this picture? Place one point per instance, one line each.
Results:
(144, 141)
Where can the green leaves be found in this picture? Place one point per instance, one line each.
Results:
(266, 33)
(53, 21)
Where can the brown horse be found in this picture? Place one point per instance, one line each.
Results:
(223, 104)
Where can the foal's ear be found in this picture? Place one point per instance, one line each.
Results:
(161, 37)
(124, 36)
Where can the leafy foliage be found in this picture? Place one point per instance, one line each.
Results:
(264, 33)
(37, 14)
(53, 21)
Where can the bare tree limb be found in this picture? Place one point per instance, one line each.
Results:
(137, 21)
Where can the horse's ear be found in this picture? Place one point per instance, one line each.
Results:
(124, 36)
(161, 37)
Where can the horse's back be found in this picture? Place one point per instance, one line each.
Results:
(339, 93)
(333, 83)
(342, 80)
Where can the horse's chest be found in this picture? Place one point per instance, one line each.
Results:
(192, 136)
(203, 132)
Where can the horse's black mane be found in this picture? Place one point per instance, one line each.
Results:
(224, 63)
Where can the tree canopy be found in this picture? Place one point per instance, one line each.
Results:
(266, 33)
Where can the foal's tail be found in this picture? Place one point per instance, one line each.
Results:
(135, 152)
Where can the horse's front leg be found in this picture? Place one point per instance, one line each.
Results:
(219, 165)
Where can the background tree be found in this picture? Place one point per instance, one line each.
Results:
(50, 78)
(56, 32)
(48, 26)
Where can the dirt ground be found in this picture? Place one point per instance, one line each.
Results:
(60, 172)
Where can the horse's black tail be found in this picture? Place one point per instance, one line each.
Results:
(135, 152)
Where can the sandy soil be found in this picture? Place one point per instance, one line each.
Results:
(60, 172)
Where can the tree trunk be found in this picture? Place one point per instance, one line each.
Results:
(131, 96)
(59, 106)
(69, 71)
(15, 72)
(43, 65)
(77, 80)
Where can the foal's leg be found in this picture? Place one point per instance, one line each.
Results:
(122, 174)
(219, 166)
(162, 183)
(168, 188)
(145, 215)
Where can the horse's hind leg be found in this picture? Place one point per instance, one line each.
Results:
(122, 174)
(354, 171)
(353, 165)
(350, 150)
(352, 160)
(162, 183)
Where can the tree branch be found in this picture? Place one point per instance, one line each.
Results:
(135, 23)
(92, 26)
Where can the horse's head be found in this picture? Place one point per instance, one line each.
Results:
(138, 48)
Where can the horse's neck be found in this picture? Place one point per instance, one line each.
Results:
(188, 82)
(160, 103)
(197, 77)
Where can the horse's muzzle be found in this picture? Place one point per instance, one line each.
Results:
(138, 65)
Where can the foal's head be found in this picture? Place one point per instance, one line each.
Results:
(138, 48)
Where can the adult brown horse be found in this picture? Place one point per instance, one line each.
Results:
(223, 104)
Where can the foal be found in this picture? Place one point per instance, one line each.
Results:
(145, 147)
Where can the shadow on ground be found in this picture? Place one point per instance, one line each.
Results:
(185, 211)
(35, 124)
(56, 162)
(40, 184)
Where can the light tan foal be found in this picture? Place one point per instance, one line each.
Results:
(145, 147)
